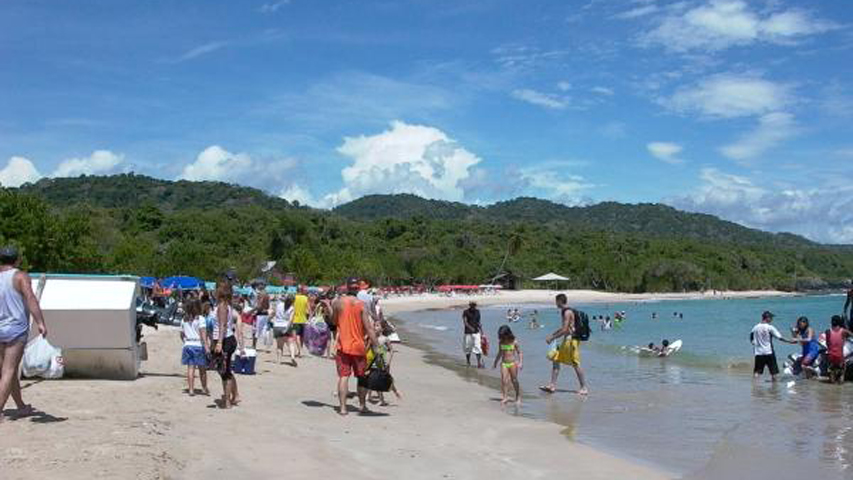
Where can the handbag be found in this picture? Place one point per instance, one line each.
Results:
(378, 378)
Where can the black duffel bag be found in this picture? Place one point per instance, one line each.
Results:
(377, 377)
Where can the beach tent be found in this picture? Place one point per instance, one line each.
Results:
(92, 318)
(551, 277)
(183, 283)
(147, 282)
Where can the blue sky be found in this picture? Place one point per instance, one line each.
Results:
(740, 109)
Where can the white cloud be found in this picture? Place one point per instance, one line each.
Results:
(295, 193)
(216, 163)
(98, 163)
(521, 57)
(730, 96)
(406, 158)
(274, 6)
(18, 171)
(564, 86)
(772, 129)
(665, 152)
(201, 50)
(540, 99)
(638, 11)
(602, 90)
(720, 24)
(554, 181)
(822, 214)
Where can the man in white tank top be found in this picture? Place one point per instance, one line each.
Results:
(17, 303)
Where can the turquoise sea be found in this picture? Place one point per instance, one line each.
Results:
(698, 413)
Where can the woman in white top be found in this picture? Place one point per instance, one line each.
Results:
(17, 303)
(192, 353)
(281, 324)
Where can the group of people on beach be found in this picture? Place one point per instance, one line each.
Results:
(214, 331)
(509, 354)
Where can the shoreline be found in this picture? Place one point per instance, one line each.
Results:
(518, 297)
(396, 307)
(148, 428)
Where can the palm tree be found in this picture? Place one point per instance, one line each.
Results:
(513, 246)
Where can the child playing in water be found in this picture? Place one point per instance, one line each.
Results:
(511, 358)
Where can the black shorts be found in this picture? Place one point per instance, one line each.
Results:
(229, 346)
(769, 361)
(298, 329)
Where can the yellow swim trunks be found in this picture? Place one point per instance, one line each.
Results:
(570, 353)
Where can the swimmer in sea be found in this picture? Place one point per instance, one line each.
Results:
(534, 320)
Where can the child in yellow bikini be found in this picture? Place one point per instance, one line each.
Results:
(511, 358)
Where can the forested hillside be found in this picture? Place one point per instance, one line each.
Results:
(137, 225)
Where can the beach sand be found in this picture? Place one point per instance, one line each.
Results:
(286, 426)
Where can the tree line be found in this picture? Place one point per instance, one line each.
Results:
(322, 247)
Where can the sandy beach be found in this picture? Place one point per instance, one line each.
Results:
(444, 427)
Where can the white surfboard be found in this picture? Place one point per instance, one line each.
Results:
(672, 348)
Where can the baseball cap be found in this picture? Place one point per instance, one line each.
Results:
(767, 314)
(8, 254)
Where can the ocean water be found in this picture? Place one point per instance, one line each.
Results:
(698, 413)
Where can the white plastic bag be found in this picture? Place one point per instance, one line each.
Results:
(41, 359)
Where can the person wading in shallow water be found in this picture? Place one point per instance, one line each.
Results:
(473, 334)
(570, 350)
(353, 323)
(17, 303)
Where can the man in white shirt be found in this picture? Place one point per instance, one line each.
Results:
(762, 343)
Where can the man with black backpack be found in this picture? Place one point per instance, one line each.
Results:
(574, 330)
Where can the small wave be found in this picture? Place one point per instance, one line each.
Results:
(434, 327)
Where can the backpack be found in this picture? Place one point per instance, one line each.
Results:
(582, 329)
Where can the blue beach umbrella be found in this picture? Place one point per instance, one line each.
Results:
(184, 283)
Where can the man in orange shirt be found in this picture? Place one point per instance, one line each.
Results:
(353, 321)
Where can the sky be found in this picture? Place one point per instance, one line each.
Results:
(738, 109)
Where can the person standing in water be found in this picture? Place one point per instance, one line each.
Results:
(762, 341)
(17, 303)
(569, 351)
(472, 340)
(836, 337)
(534, 320)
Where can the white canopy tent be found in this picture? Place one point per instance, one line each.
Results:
(551, 277)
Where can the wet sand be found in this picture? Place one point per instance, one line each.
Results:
(286, 426)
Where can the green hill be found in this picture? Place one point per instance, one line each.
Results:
(131, 190)
(131, 224)
(648, 219)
